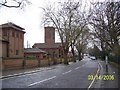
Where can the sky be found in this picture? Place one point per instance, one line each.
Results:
(29, 18)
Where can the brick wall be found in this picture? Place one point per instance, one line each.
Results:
(18, 63)
(31, 63)
(44, 62)
(12, 64)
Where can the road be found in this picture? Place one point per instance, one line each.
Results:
(74, 75)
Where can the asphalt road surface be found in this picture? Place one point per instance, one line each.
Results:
(74, 75)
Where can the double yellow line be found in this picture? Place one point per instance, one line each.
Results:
(98, 70)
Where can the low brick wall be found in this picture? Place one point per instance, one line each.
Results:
(44, 62)
(18, 63)
(31, 63)
(12, 64)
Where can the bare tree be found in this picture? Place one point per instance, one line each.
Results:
(14, 3)
(81, 42)
(79, 25)
(63, 19)
(105, 20)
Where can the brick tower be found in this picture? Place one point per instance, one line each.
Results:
(49, 35)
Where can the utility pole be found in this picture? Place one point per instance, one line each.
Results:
(106, 60)
(27, 44)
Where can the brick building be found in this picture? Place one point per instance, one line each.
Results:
(53, 49)
(34, 53)
(11, 41)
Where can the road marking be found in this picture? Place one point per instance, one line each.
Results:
(80, 66)
(41, 81)
(19, 74)
(95, 76)
(22, 74)
(77, 68)
(14, 77)
(67, 72)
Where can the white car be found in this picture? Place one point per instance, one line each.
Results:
(93, 58)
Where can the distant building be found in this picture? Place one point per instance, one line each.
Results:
(53, 49)
(11, 40)
(34, 53)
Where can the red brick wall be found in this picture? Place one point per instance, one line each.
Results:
(18, 63)
(37, 55)
(15, 43)
(31, 63)
(12, 64)
(49, 35)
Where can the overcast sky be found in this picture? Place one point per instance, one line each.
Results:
(30, 19)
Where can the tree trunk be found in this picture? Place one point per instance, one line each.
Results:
(79, 56)
(65, 57)
(73, 58)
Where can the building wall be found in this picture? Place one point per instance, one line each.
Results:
(15, 45)
(12, 64)
(4, 49)
(49, 35)
(4, 42)
(53, 52)
(56, 49)
(0, 49)
(36, 55)
(16, 39)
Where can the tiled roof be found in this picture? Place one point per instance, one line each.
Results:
(10, 24)
(44, 45)
(34, 50)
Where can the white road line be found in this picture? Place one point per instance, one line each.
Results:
(41, 81)
(94, 77)
(77, 68)
(20, 75)
(67, 72)
(15, 76)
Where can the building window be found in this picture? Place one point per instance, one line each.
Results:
(17, 52)
(13, 34)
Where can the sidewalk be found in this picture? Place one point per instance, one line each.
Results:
(112, 70)
(18, 72)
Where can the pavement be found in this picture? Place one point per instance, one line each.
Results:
(74, 75)
(104, 83)
(18, 72)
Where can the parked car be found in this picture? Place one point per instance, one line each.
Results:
(93, 58)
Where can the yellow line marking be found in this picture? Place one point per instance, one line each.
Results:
(99, 67)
